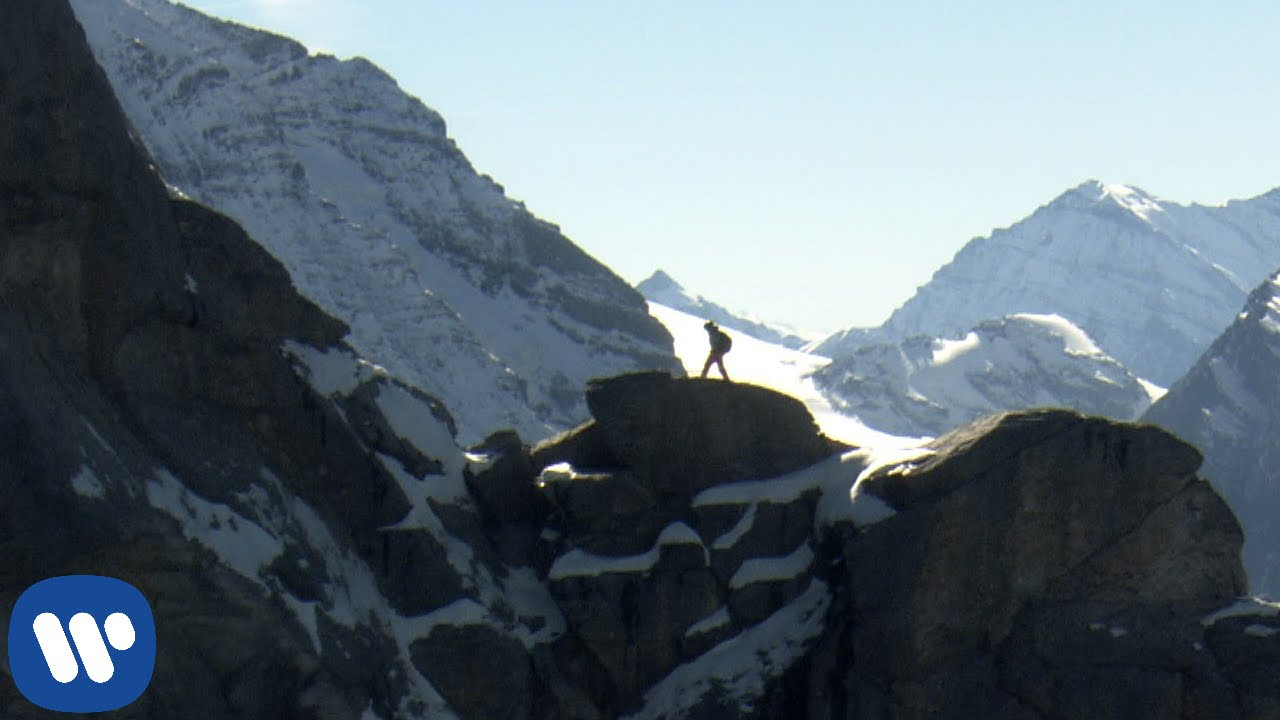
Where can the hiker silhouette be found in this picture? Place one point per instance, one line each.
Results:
(720, 344)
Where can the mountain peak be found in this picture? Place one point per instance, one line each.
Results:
(659, 282)
(1093, 193)
(663, 289)
(1133, 199)
(1081, 256)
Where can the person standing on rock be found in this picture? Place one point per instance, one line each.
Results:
(720, 344)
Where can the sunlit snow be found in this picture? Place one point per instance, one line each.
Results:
(1132, 199)
(1075, 340)
(775, 367)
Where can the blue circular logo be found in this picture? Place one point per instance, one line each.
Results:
(82, 643)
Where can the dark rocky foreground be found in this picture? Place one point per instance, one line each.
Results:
(315, 545)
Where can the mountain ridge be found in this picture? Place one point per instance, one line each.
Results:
(1225, 405)
(928, 386)
(1152, 282)
(379, 217)
(663, 289)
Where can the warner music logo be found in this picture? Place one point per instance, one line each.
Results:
(59, 635)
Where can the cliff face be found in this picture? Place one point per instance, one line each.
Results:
(377, 215)
(315, 543)
(1227, 406)
(148, 409)
(1042, 565)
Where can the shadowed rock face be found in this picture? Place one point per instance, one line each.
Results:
(687, 435)
(1042, 565)
(140, 355)
(655, 441)
(653, 444)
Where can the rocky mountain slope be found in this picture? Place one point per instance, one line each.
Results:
(377, 216)
(315, 543)
(663, 289)
(1228, 405)
(928, 386)
(1152, 282)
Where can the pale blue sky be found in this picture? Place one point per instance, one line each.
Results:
(814, 162)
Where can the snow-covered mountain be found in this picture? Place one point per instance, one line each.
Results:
(378, 217)
(663, 289)
(1152, 282)
(1228, 405)
(886, 395)
(928, 386)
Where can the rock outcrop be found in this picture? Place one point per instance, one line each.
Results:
(647, 575)
(1042, 565)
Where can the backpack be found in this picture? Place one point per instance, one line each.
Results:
(722, 342)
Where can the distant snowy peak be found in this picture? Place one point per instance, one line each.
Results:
(1234, 388)
(662, 285)
(663, 289)
(928, 386)
(1095, 194)
(379, 218)
(1151, 281)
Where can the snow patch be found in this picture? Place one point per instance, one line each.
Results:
(530, 599)
(1248, 607)
(1075, 340)
(735, 533)
(1133, 200)
(239, 543)
(1261, 631)
(717, 619)
(449, 489)
(86, 483)
(559, 472)
(412, 419)
(1154, 391)
(331, 371)
(867, 509)
(737, 670)
(945, 351)
(892, 461)
(835, 479)
(772, 569)
(478, 462)
(579, 563)
(97, 436)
